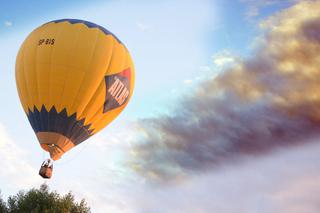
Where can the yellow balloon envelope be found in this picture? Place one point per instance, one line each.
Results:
(73, 77)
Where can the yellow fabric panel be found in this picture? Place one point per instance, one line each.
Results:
(21, 82)
(99, 63)
(57, 85)
(95, 105)
(79, 70)
(102, 120)
(73, 81)
(119, 56)
(133, 77)
(42, 62)
(62, 55)
(30, 68)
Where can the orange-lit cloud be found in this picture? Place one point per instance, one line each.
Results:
(262, 103)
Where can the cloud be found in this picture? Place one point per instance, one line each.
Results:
(8, 23)
(187, 81)
(254, 107)
(142, 26)
(15, 172)
(284, 181)
(205, 68)
(303, 189)
(223, 58)
(254, 7)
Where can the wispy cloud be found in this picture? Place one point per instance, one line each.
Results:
(8, 23)
(253, 107)
(223, 58)
(187, 81)
(205, 68)
(142, 26)
(254, 7)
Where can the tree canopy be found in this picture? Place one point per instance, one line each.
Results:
(3, 207)
(43, 200)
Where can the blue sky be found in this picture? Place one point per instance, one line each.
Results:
(176, 46)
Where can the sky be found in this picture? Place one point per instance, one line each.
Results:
(224, 116)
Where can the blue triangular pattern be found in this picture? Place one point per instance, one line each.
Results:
(52, 121)
(88, 24)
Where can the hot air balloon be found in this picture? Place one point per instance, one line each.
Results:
(73, 78)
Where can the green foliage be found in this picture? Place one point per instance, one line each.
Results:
(3, 206)
(43, 201)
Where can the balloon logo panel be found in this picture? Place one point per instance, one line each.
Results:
(118, 90)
